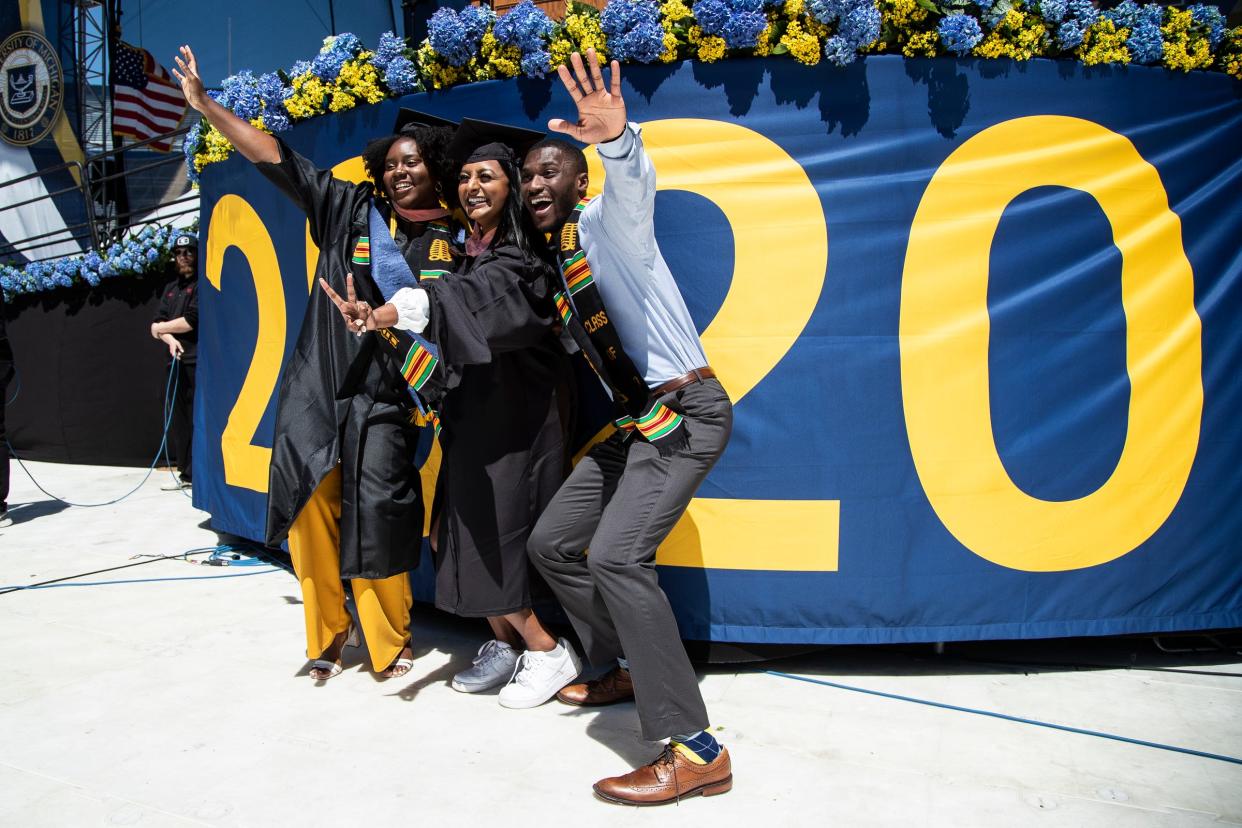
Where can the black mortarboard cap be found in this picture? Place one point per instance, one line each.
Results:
(412, 117)
(477, 140)
(185, 240)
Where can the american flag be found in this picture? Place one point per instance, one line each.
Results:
(145, 101)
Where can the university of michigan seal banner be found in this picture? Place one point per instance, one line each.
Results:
(981, 323)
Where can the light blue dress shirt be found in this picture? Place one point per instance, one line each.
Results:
(617, 231)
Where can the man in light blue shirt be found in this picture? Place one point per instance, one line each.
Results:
(625, 496)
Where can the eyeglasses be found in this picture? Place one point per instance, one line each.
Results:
(185, 251)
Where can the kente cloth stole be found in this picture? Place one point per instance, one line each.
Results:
(419, 357)
(582, 312)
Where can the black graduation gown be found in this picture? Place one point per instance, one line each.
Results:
(502, 427)
(342, 399)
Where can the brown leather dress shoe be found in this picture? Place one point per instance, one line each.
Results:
(670, 777)
(610, 688)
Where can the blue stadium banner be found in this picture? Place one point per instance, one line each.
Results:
(980, 322)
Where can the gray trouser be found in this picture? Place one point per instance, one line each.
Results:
(621, 502)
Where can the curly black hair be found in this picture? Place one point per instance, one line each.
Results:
(433, 143)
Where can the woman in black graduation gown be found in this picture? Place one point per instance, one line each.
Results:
(343, 488)
(500, 396)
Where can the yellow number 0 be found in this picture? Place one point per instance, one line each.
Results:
(780, 261)
(234, 223)
(944, 347)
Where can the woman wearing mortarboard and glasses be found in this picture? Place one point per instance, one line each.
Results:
(343, 487)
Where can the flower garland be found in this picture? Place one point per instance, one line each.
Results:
(475, 44)
(147, 251)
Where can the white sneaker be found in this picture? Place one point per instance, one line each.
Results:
(539, 676)
(492, 667)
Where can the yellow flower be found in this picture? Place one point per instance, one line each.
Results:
(763, 45)
(672, 11)
(435, 72)
(711, 48)
(1018, 35)
(1230, 56)
(921, 44)
(499, 61)
(670, 48)
(1184, 48)
(560, 49)
(901, 13)
(215, 148)
(360, 79)
(795, 8)
(1103, 42)
(802, 45)
(258, 124)
(341, 101)
(307, 99)
(585, 32)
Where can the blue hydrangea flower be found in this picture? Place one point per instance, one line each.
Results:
(277, 120)
(536, 64)
(739, 22)
(633, 29)
(188, 145)
(402, 76)
(299, 67)
(525, 26)
(327, 65)
(828, 11)
(858, 25)
(347, 44)
(1212, 19)
(839, 51)
(985, 5)
(242, 91)
(960, 33)
(451, 37)
(476, 19)
(1052, 10)
(1146, 42)
(390, 46)
(861, 25)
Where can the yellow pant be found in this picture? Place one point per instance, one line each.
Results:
(383, 606)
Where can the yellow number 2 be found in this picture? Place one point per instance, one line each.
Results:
(234, 223)
(770, 205)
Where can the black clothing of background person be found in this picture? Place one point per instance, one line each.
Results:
(6, 374)
(180, 300)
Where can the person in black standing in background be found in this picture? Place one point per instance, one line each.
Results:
(176, 325)
(6, 373)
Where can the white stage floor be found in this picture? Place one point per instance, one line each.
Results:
(178, 702)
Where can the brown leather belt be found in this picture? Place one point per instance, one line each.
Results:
(676, 383)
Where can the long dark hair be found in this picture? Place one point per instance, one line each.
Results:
(433, 148)
(516, 226)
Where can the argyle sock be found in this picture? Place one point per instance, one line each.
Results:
(700, 748)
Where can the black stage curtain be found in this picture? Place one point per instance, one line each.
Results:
(90, 379)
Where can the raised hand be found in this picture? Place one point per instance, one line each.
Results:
(191, 83)
(601, 111)
(357, 315)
